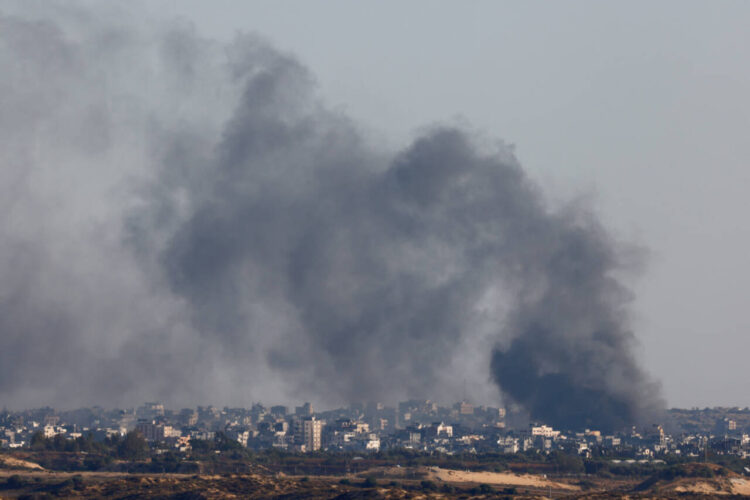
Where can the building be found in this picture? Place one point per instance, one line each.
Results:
(372, 444)
(149, 430)
(312, 430)
(415, 437)
(306, 410)
(150, 410)
(188, 417)
(508, 444)
(308, 433)
(544, 431)
(439, 430)
(464, 408)
(50, 431)
(153, 431)
(656, 435)
(278, 411)
(612, 441)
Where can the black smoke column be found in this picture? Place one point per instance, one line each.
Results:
(570, 362)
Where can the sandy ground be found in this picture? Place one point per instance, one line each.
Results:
(18, 464)
(701, 488)
(733, 485)
(104, 475)
(504, 478)
(740, 486)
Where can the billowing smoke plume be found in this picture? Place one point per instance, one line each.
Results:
(570, 360)
(184, 220)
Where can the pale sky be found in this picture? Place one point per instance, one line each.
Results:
(641, 105)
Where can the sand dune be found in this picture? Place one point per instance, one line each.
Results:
(15, 463)
(495, 478)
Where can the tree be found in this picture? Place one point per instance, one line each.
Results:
(133, 447)
(225, 443)
(59, 442)
(369, 482)
(38, 441)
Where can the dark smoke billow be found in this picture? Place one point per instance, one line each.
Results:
(570, 360)
(188, 222)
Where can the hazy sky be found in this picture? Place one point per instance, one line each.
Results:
(642, 105)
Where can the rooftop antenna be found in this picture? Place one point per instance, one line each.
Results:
(464, 396)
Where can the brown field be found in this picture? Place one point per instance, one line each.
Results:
(390, 482)
(25, 479)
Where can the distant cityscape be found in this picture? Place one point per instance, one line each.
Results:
(419, 425)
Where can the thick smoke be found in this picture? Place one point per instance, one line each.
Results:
(185, 220)
(570, 360)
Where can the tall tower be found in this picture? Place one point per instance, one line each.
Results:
(311, 433)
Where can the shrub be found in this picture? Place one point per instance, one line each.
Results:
(77, 482)
(36, 496)
(486, 488)
(15, 482)
(369, 482)
(447, 488)
(428, 485)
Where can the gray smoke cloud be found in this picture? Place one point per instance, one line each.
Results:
(185, 220)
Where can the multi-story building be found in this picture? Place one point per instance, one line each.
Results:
(153, 431)
(439, 430)
(278, 411)
(188, 417)
(464, 408)
(544, 431)
(312, 430)
(150, 410)
(306, 410)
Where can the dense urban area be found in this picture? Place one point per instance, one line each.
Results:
(416, 425)
(417, 447)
